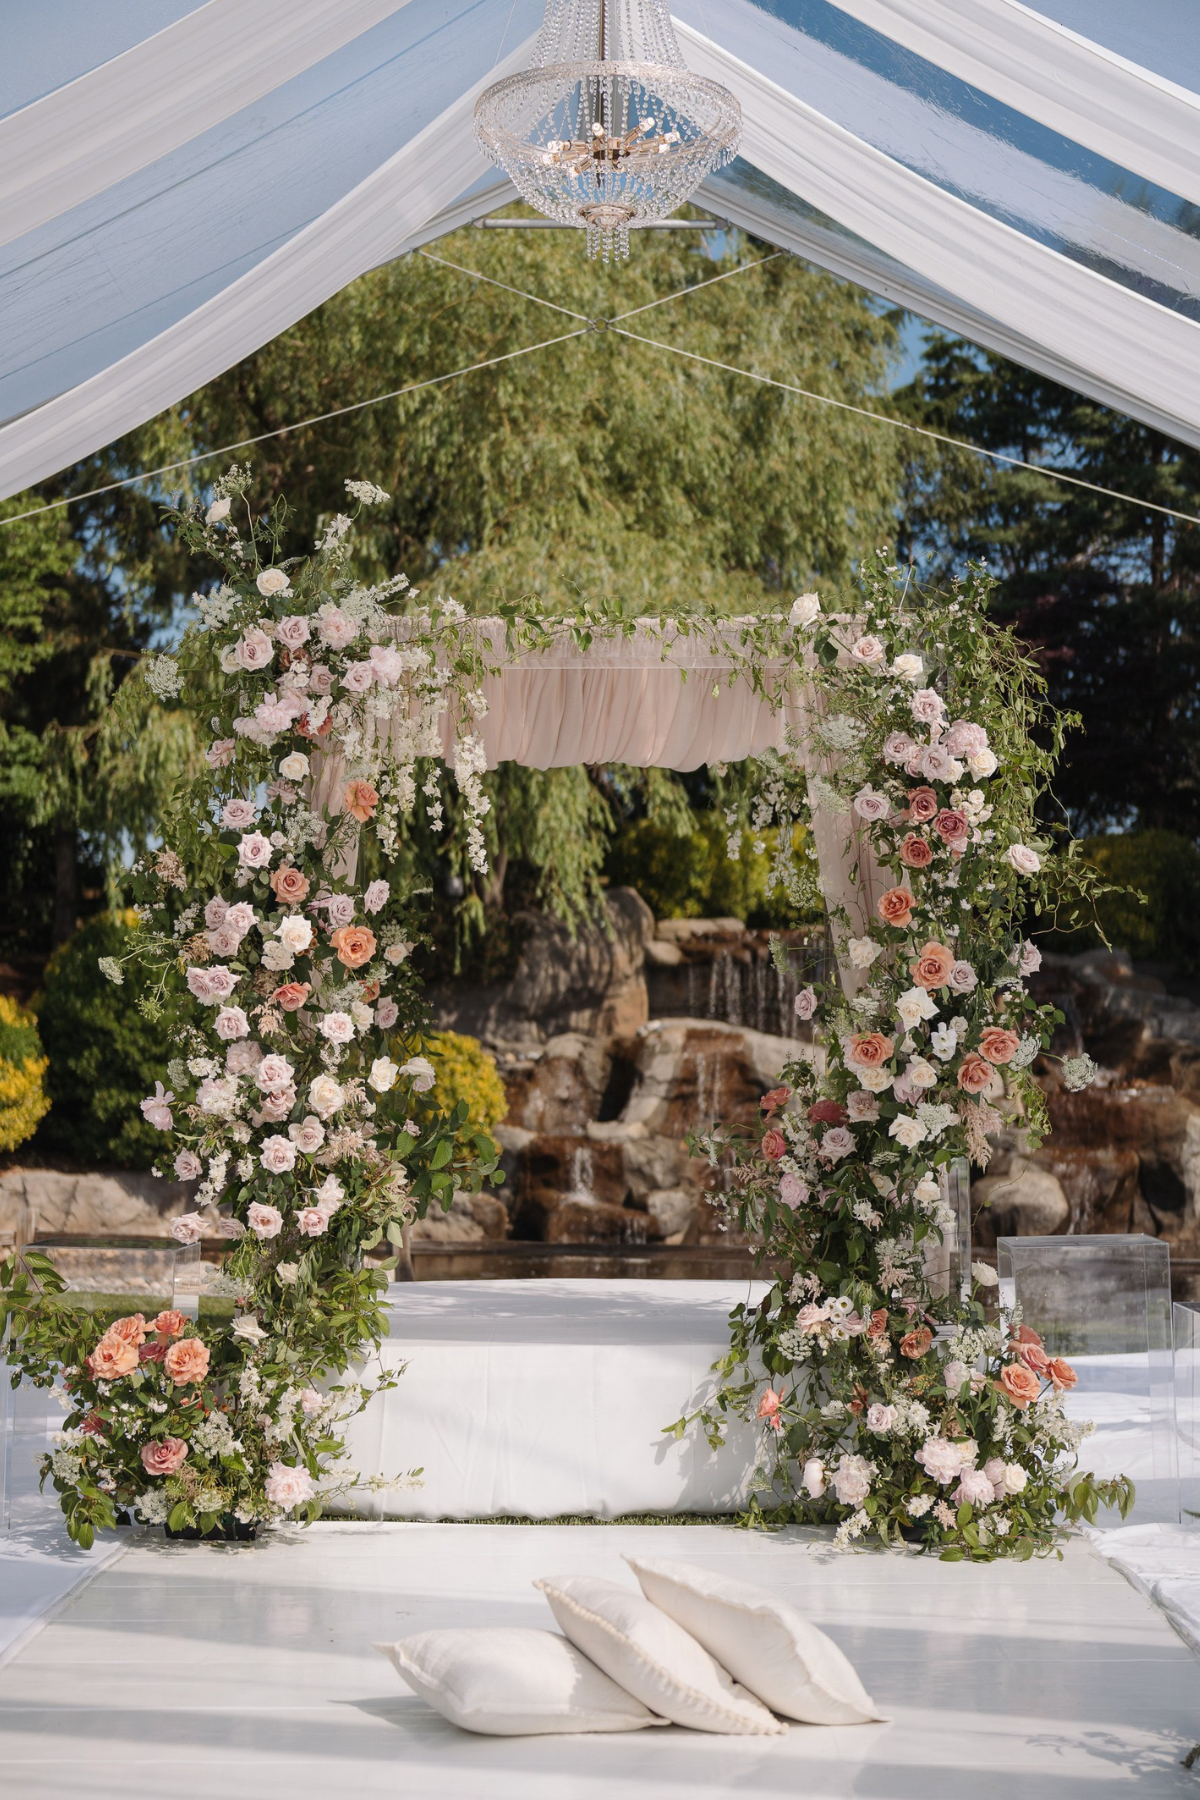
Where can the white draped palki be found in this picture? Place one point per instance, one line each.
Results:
(649, 698)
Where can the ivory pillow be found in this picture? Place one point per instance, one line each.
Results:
(762, 1641)
(511, 1682)
(652, 1657)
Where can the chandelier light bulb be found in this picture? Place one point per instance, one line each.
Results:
(607, 128)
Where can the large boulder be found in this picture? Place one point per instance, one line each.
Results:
(471, 1219)
(591, 981)
(563, 1089)
(694, 1071)
(126, 1202)
(1029, 1203)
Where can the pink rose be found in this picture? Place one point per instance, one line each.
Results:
(288, 1487)
(880, 1418)
(386, 1014)
(941, 1459)
(907, 1092)
(871, 806)
(898, 747)
(254, 649)
(188, 1228)
(277, 1155)
(376, 896)
(974, 1488)
(337, 1027)
(937, 764)
(231, 1023)
(187, 1165)
(264, 1221)
(221, 982)
(863, 1107)
(922, 805)
(214, 913)
(1031, 958)
(292, 631)
(358, 677)
(837, 1142)
(805, 1003)
(240, 917)
(312, 1221)
(219, 754)
(198, 987)
(254, 850)
(387, 663)
(927, 706)
(274, 1072)
(224, 941)
(335, 627)
(339, 910)
(774, 1144)
(308, 1135)
(793, 1191)
(292, 995)
(238, 814)
(320, 679)
(951, 826)
(964, 739)
(1022, 859)
(157, 1109)
(277, 1106)
(994, 1469)
(963, 979)
(164, 1456)
(869, 651)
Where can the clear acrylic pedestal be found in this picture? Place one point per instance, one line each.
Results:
(1104, 1303)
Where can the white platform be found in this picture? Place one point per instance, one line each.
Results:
(544, 1398)
(247, 1671)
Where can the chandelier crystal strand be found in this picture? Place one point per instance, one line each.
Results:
(607, 128)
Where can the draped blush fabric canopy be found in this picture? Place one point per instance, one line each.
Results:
(652, 699)
(180, 182)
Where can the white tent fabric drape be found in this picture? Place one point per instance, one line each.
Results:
(199, 176)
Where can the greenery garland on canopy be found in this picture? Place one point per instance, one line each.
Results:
(277, 932)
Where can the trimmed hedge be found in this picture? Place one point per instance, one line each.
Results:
(465, 1071)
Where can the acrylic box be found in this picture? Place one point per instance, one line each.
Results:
(1104, 1303)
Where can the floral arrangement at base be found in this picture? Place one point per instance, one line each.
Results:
(298, 1095)
(890, 1404)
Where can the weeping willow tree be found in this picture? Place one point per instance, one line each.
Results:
(594, 470)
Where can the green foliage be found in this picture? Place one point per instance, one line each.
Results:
(105, 1052)
(467, 1073)
(1164, 926)
(23, 1100)
(690, 875)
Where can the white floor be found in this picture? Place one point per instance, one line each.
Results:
(247, 1671)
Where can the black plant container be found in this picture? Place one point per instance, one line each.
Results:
(229, 1531)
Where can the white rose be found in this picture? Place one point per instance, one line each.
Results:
(926, 1190)
(272, 581)
(1016, 1479)
(982, 764)
(278, 1155)
(876, 1081)
(922, 1073)
(396, 953)
(869, 651)
(217, 511)
(805, 610)
(338, 1027)
(954, 1374)
(862, 952)
(384, 1074)
(908, 667)
(812, 1478)
(362, 1014)
(1023, 860)
(420, 1072)
(907, 1131)
(294, 767)
(914, 1005)
(246, 1326)
(325, 1096)
(277, 957)
(296, 933)
(985, 1275)
(308, 1135)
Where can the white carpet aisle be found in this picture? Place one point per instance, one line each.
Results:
(247, 1671)
(543, 1398)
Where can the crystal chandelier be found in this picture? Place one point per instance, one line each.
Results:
(608, 128)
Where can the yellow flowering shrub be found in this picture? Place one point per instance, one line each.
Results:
(23, 1101)
(465, 1071)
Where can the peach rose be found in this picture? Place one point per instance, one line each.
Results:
(769, 1404)
(165, 1456)
(129, 1330)
(292, 995)
(895, 907)
(915, 853)
(922, 805)
(1034, 1357)
(914, 1344)
(361, 800)
(879, 1322)
(187, 1361)
(1061, 1373)
(1025, 1334)
(870, 1049)
(169, 1324)
(112, 1357)
(290, 886)
(355, 945)
(997, 1045)
(774, 1145)
(974, 1074)
(775, 1099)
(1019, 1384)
(932, 967)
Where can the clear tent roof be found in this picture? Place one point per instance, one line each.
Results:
(180, 182)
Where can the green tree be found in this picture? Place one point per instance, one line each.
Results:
(1108, 592)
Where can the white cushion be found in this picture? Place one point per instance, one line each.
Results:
(652, 1657)
(511, 1682)
(761, 1640)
